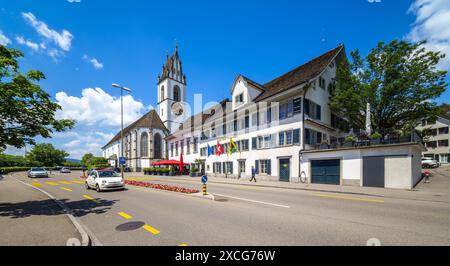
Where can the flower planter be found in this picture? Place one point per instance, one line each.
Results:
(324, 147)
(375, 142)
(348, 145)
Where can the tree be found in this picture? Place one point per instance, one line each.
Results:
(26, 110)
(98, 162)
(400, 81)
(47, 154)
(86, 159)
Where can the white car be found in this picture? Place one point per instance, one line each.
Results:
(102, 180)
(430, 163)
(37, 172)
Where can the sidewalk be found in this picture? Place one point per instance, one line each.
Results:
(30, 218)
(437, 190)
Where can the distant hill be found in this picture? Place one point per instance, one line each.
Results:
(70, 160)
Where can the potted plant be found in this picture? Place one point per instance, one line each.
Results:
(324, 145)
(349, 142)
(194, 172)
(375, 139)
(147, 171)
(172, 171)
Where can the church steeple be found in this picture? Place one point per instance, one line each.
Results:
(173, 69)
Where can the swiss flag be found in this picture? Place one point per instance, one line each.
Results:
(220, 149)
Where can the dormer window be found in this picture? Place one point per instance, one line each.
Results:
(239, 99)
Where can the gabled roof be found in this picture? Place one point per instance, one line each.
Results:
(445, 111)
(254, 84)
(300, 75)
(149, 120)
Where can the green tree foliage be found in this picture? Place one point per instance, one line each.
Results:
(86, 159)
(20, 161)
(98, 162)
(26, 110)
(400, 81)
(47, 154)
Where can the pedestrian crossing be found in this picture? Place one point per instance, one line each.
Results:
(57, 184)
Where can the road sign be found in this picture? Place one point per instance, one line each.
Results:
(123, 161)
(204, 179)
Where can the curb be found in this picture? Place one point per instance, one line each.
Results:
(201, 196)
(85, 239)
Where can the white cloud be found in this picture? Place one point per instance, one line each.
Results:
(432, 25)
(72, 144)
(97, 65)
(32, 45)
(63, 40)
(96, 107)
(3, 39)
(74, 1)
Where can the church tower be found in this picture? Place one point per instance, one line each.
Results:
(172, 93)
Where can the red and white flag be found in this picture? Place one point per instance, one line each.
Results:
(220, 149)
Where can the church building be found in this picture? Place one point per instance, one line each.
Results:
(144, 139)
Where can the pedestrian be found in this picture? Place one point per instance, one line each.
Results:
(253, 174)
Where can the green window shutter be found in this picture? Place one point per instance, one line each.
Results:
(269, 167)
(257, 167)
(296, 137)
(254, 147)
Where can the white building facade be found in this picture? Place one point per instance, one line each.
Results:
(270, 124)
(437, 143)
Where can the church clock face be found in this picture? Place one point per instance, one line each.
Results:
(177, 109)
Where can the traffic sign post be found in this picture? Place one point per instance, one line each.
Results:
(204, 181)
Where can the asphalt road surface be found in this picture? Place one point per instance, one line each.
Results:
(247, 216)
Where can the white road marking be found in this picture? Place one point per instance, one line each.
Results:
(254, 201)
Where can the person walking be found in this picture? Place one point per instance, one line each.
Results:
(253, 174)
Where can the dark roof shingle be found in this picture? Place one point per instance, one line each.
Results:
(299, 75)
(149, 120)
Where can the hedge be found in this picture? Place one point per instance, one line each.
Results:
(7, 170)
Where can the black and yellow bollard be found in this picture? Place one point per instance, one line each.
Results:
(204, 190)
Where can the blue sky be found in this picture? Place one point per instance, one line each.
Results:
(92, 43)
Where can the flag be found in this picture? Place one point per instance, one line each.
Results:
(233, 147)
(210, 150)
(220, 149)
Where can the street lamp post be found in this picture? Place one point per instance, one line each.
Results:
(121, 117)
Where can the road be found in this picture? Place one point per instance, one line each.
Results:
(247, 216)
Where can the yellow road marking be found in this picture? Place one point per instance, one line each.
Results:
(66, 189)
(151, 229)
(77, 182)
(346, 198)
(37, 184)
(184, 245)
(65, 183)
(52, 184)
(124, 215)
(89, 198)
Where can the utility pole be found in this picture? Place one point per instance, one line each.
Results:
(121, 130)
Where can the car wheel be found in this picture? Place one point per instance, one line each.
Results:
(87, 186)
(97, 187)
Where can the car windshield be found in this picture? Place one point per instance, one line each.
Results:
(37, 169)
(108, 174)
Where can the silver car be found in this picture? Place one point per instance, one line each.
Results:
(37, 172)
(65, 170)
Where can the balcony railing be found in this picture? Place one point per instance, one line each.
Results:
(365, 142)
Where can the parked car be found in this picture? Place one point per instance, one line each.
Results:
(430, 163)
(65, 170)
(102, 180)
(37, 172)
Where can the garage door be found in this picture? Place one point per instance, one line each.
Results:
(373, 172)
(326, 172)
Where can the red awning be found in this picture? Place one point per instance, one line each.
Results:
(168, 162)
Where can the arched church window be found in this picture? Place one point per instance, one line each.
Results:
(144, 144)
(157, 146)
(162, 94)
(176, 93)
